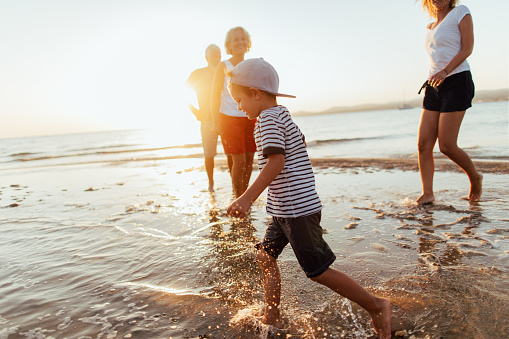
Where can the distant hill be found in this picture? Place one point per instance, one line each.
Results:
(480, 96)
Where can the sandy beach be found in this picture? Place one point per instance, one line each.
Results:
(494, 167)
(115, 235)
(142, 250)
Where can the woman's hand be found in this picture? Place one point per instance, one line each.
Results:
(436, 79)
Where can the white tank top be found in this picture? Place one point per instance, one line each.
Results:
(444, 41)
(228, 105)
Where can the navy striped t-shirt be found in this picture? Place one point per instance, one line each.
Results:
(292, 194)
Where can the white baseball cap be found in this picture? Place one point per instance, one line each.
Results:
(257, 73)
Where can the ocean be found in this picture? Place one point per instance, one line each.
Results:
(114, 235)
(380, 134)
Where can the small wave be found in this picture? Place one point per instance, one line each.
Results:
(136, 286)
(104, 147)
(24, 157)
(141, 231)
(335, 141)
(113, 161)
(23, 154)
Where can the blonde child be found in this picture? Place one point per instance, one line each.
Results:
(292, 200)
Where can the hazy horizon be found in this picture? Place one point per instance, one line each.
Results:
(73, 66)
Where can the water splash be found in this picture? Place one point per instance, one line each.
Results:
(251, 317)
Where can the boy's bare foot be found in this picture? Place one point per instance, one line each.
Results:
(272, 322)
(475, 189)
(425, 198)
(276, 333)
(211, 187)
(275, 330)
(382, 319)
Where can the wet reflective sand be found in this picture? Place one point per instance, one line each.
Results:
(142, 250)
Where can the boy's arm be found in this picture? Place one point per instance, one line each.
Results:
(274, 166)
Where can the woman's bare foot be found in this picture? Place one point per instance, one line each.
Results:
(382, 319)
(475, 189)
(425, 198)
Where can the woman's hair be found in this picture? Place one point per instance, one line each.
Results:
(228, 39)
(427, 6)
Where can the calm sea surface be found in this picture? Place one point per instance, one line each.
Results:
(112, 235)
(390, 133)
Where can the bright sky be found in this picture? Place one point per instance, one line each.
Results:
(70, 66)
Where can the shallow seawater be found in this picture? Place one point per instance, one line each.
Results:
(142, 250)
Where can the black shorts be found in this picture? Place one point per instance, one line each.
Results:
(453, 95)
(305, 236)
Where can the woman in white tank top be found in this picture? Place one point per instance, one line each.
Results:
(449, 92)
(235, 129)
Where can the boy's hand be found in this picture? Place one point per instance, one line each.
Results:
(239, 208)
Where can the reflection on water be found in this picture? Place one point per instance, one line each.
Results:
(234, 271)
(454, 288)
(150, 253)
(232, 266)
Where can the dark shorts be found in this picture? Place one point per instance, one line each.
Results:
(453, 95)
(305, 236)
(237, 134)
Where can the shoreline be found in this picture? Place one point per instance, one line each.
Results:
(444, 165)
(482, 96)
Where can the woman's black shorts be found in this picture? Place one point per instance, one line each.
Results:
(453, 95)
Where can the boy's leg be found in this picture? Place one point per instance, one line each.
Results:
(271, 287)
(378, 308)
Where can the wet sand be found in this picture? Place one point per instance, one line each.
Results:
(498, 167)
(142, 250)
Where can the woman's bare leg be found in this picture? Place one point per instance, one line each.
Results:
(229, 160)
(248, 170)
(448, 130)
(428, 133)
(238, 173)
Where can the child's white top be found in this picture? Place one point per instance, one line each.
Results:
(292, 194)
(444, 41)
(228, 105)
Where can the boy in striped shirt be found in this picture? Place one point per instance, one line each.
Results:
(292, 200)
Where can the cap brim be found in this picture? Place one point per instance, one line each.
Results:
(283, 95)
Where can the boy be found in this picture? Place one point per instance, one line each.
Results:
(292, 200)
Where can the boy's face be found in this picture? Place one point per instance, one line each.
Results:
(248, 104)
